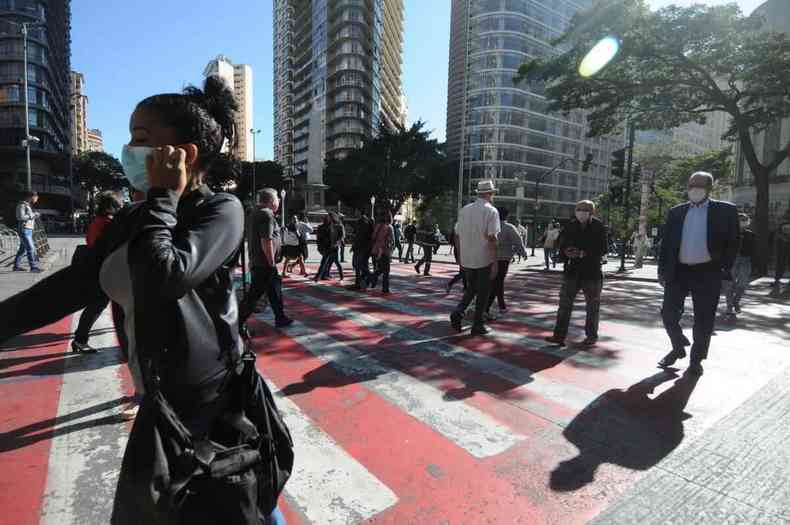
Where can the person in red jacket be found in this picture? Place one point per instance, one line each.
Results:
(108, 203)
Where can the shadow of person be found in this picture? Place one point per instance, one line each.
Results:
(626, 428)
(327, 376)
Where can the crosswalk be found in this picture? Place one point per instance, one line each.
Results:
(396, 419)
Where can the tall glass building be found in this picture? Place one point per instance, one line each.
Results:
(503, 131)
(49, 100)
(337, 76)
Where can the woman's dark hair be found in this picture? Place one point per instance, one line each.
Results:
(108, 203)
(503, 213)
(201, 117)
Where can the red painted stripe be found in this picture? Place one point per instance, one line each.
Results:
(409, 457)
(520, 355)
(30, 384)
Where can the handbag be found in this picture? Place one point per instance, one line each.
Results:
(246, 479)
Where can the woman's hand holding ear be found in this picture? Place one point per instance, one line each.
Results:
(167, 168)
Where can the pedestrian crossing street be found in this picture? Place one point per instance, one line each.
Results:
(397, 419)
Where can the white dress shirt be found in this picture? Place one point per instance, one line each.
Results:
(694, 240)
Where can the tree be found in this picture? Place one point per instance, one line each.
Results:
(98, 171)
(392, 166)
(676, 65)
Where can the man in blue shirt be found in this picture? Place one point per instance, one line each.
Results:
(698, 251)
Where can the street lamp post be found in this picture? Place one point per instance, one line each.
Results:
(24, 26)
(372, 205)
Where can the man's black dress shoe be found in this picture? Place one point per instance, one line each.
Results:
(671, 357)
(695, 368)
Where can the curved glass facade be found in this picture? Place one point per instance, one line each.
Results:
(508, 133)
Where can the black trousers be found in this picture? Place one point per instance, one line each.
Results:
(88, 317)
(409, 251)
(498, 289)
(460, 276)
(427, 257)
(264, 281)
(592, 288)
(478, 286)
(703, 283)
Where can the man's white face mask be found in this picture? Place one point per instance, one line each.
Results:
(697, 195)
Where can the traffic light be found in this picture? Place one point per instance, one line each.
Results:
(618, 163)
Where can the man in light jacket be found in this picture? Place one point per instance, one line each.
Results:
(509, 243)
(26, 222)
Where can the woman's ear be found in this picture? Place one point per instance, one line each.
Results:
(192, 154)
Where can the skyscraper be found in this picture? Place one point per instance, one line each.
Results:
(337, 77)
(49, 88)
(238, 77)
(503, 131)
(95, 140)
(79, 113)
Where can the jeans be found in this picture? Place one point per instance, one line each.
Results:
(88, 317)
(703, 282)
(382, 266)
(478, 286)
(361, 268)
(498, 290)
(264, 281)
(741, 275)
(548, 256)
(427, 257)
(26, 246)
(330, 258)
(592, 296)
(410, 251)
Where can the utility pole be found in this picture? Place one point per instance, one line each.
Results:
(463, 111)
(627, 198)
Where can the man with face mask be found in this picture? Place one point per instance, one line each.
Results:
(741, 270)
(782, 256)
(581, 245)
(698, 252)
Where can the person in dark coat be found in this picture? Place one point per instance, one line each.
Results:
(581, 246)
(168, 261)
(699, 248)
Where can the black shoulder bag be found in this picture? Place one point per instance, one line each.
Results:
(245, 479)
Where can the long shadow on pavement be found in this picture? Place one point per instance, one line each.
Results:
(43, 430)
(626, 428)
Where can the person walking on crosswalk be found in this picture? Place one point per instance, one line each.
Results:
(478, 229)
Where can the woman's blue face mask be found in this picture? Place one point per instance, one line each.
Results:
(133, 162)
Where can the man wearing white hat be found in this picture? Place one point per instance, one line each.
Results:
(476, 238)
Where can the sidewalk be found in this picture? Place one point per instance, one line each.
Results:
(59, 255)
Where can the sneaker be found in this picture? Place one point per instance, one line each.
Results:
(417, 269)
(480, 330)
(282, 323)
(737, 308)
(491, 316)
(82, 348)
(36, 270)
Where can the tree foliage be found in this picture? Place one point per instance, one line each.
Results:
(392, 166)
(677, 65)
(99, 171)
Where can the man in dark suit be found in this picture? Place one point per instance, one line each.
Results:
(699, 247)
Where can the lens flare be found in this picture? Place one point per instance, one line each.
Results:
(601, 54)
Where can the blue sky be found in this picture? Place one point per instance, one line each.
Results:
(130, 50)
